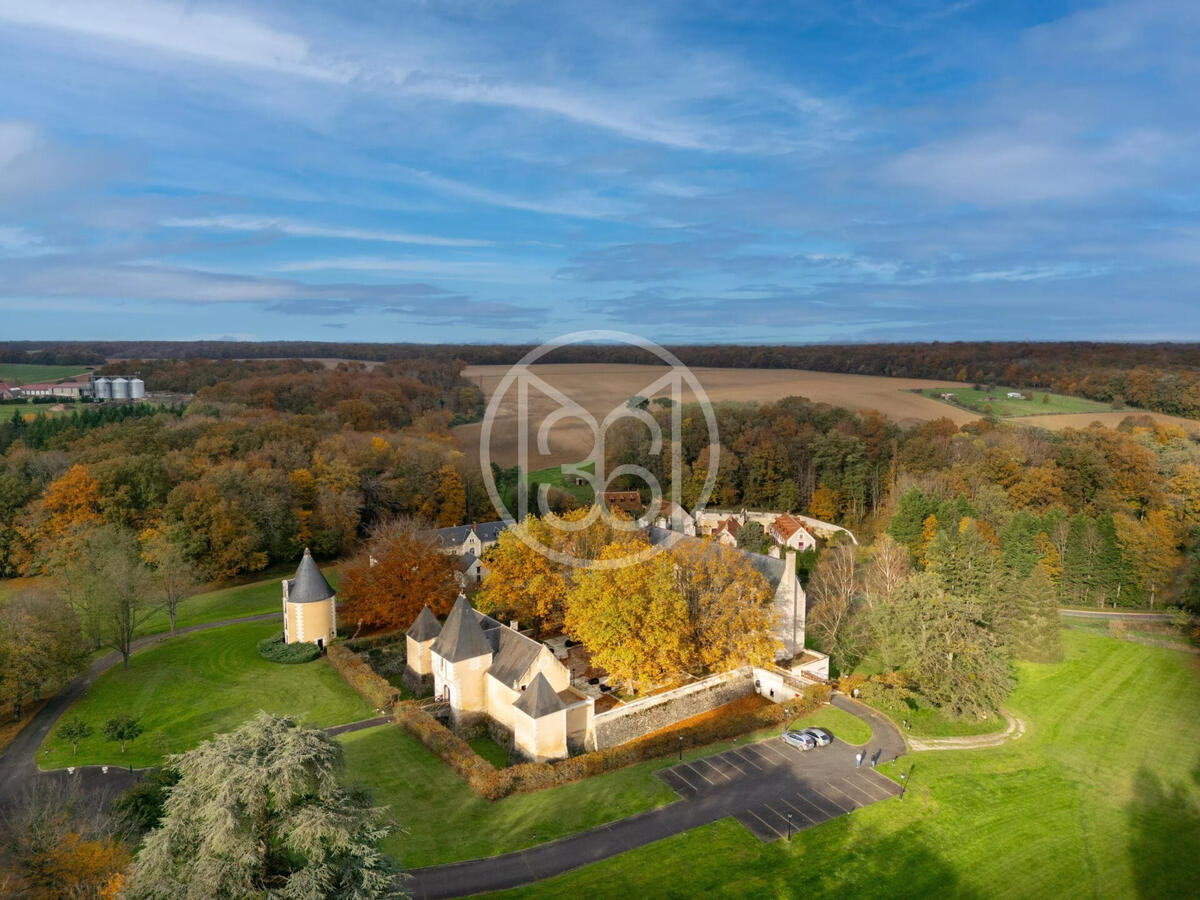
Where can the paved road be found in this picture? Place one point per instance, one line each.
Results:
(17, 764)
(759, 784)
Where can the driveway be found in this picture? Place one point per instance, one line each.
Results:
(760, 784)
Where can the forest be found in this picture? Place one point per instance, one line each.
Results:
(1162, 377)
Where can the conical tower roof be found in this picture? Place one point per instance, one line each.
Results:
(309, 585)
(539, 699)
(461, 637)
(424, 627)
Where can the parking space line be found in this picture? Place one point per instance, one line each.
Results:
(823, 815)
(783, 817)
(872, 789)
(724, 761)
(774, 831)
(798, 811)
(727, 759)
(773, 753)
(679, 775)
(883, 783)
(855, 803)
(858, 791)
(714, 768)
(757, 753)
(746, 759)
(830, 800)
(691, 768)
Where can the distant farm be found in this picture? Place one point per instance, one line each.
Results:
(1007, 402)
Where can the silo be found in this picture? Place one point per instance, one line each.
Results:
(137, 388)
(103, 388)
(120, 388)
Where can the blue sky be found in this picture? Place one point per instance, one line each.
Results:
(694, 171)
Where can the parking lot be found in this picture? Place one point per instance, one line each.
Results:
(774, 789)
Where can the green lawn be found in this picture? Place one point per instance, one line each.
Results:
(839, 723)
(491, 751)
(197, 685)
(554, 477)
(265, 596)
(446, 821)
(1102, 799)
(972, 399)
(925, 721)
(21, 373)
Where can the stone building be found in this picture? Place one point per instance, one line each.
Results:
(486, 671)
(309, 611)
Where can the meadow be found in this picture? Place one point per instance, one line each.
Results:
(21, 373)
(191, 687)
(997, 402)
(1101, 798)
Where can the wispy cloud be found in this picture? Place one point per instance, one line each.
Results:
(307, 229)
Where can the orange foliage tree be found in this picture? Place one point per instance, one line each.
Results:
(400, 571)
(70, 504)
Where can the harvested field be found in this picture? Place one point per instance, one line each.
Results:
(600, 388)
(1112, 419)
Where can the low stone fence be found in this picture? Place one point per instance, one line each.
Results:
(632, 720)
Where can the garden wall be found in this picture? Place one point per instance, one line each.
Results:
(641, 717)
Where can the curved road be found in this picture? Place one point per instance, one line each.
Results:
(18, 763)
(759, 787)
(1115, 614)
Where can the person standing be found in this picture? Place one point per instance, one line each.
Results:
(858, 760)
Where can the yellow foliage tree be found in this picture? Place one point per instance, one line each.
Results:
(929, 530)
(633, 619)
(825, 504)
(452, 498)
(522, 581)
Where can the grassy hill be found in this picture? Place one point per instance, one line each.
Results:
(21, 373)
(1101, 799)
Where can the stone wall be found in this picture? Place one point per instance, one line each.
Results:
(634, 720)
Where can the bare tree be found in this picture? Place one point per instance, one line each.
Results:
(833, 588)
(889, 567)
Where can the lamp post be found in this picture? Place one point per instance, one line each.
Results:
(789, 828)
(681, 748)
(903, 776)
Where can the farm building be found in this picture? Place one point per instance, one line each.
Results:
(791, 532)
(626, 500)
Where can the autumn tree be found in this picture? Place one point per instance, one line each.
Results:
(522, 581)
(451, 497)
(41, 646)
(730, 608)
(400, 571)
(825, 504)
(632, 618)
(111, 588)
(174, 572)
(260, 812)
(69, 506)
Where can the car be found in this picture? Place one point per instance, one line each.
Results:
(800, 740)
(820, 735)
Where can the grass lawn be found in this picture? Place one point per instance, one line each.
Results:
(838, 722)
(265, 596)
(491, 751)
(192, 687)
(22, 373)
(927, 722)
(1102, 798)
(554, 478)
(446, 821)
(969, 398)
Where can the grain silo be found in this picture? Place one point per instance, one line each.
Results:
(137, 388)
(120, 388)
(103, 388)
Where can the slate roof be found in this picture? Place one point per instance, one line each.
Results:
(769, 567)
(308, 585)
(539, 699)
(462, 636)
(456, 534)
(515, 653)
(424, 627)
(465, 561)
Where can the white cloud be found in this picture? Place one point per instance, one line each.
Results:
(306, 229)
(447, 270)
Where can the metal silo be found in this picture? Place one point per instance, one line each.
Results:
(120, 388)
(137, 388)
(103, 387)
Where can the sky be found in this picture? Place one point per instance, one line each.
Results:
(699, 171)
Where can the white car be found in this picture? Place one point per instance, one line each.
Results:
(801, 740)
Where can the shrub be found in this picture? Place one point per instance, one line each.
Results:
(372, 641)
(362, 678)
(273, 649)
(482, 777)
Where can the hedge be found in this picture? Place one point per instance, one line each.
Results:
(377, 691)
(273, 649)
(492, 783)
(371, 641)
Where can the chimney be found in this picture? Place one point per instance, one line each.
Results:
(789, 574)
(513, 625)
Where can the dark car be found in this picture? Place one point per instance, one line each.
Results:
(800, 740)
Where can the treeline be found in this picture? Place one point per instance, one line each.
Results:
(1163, 377)
(255, 469)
